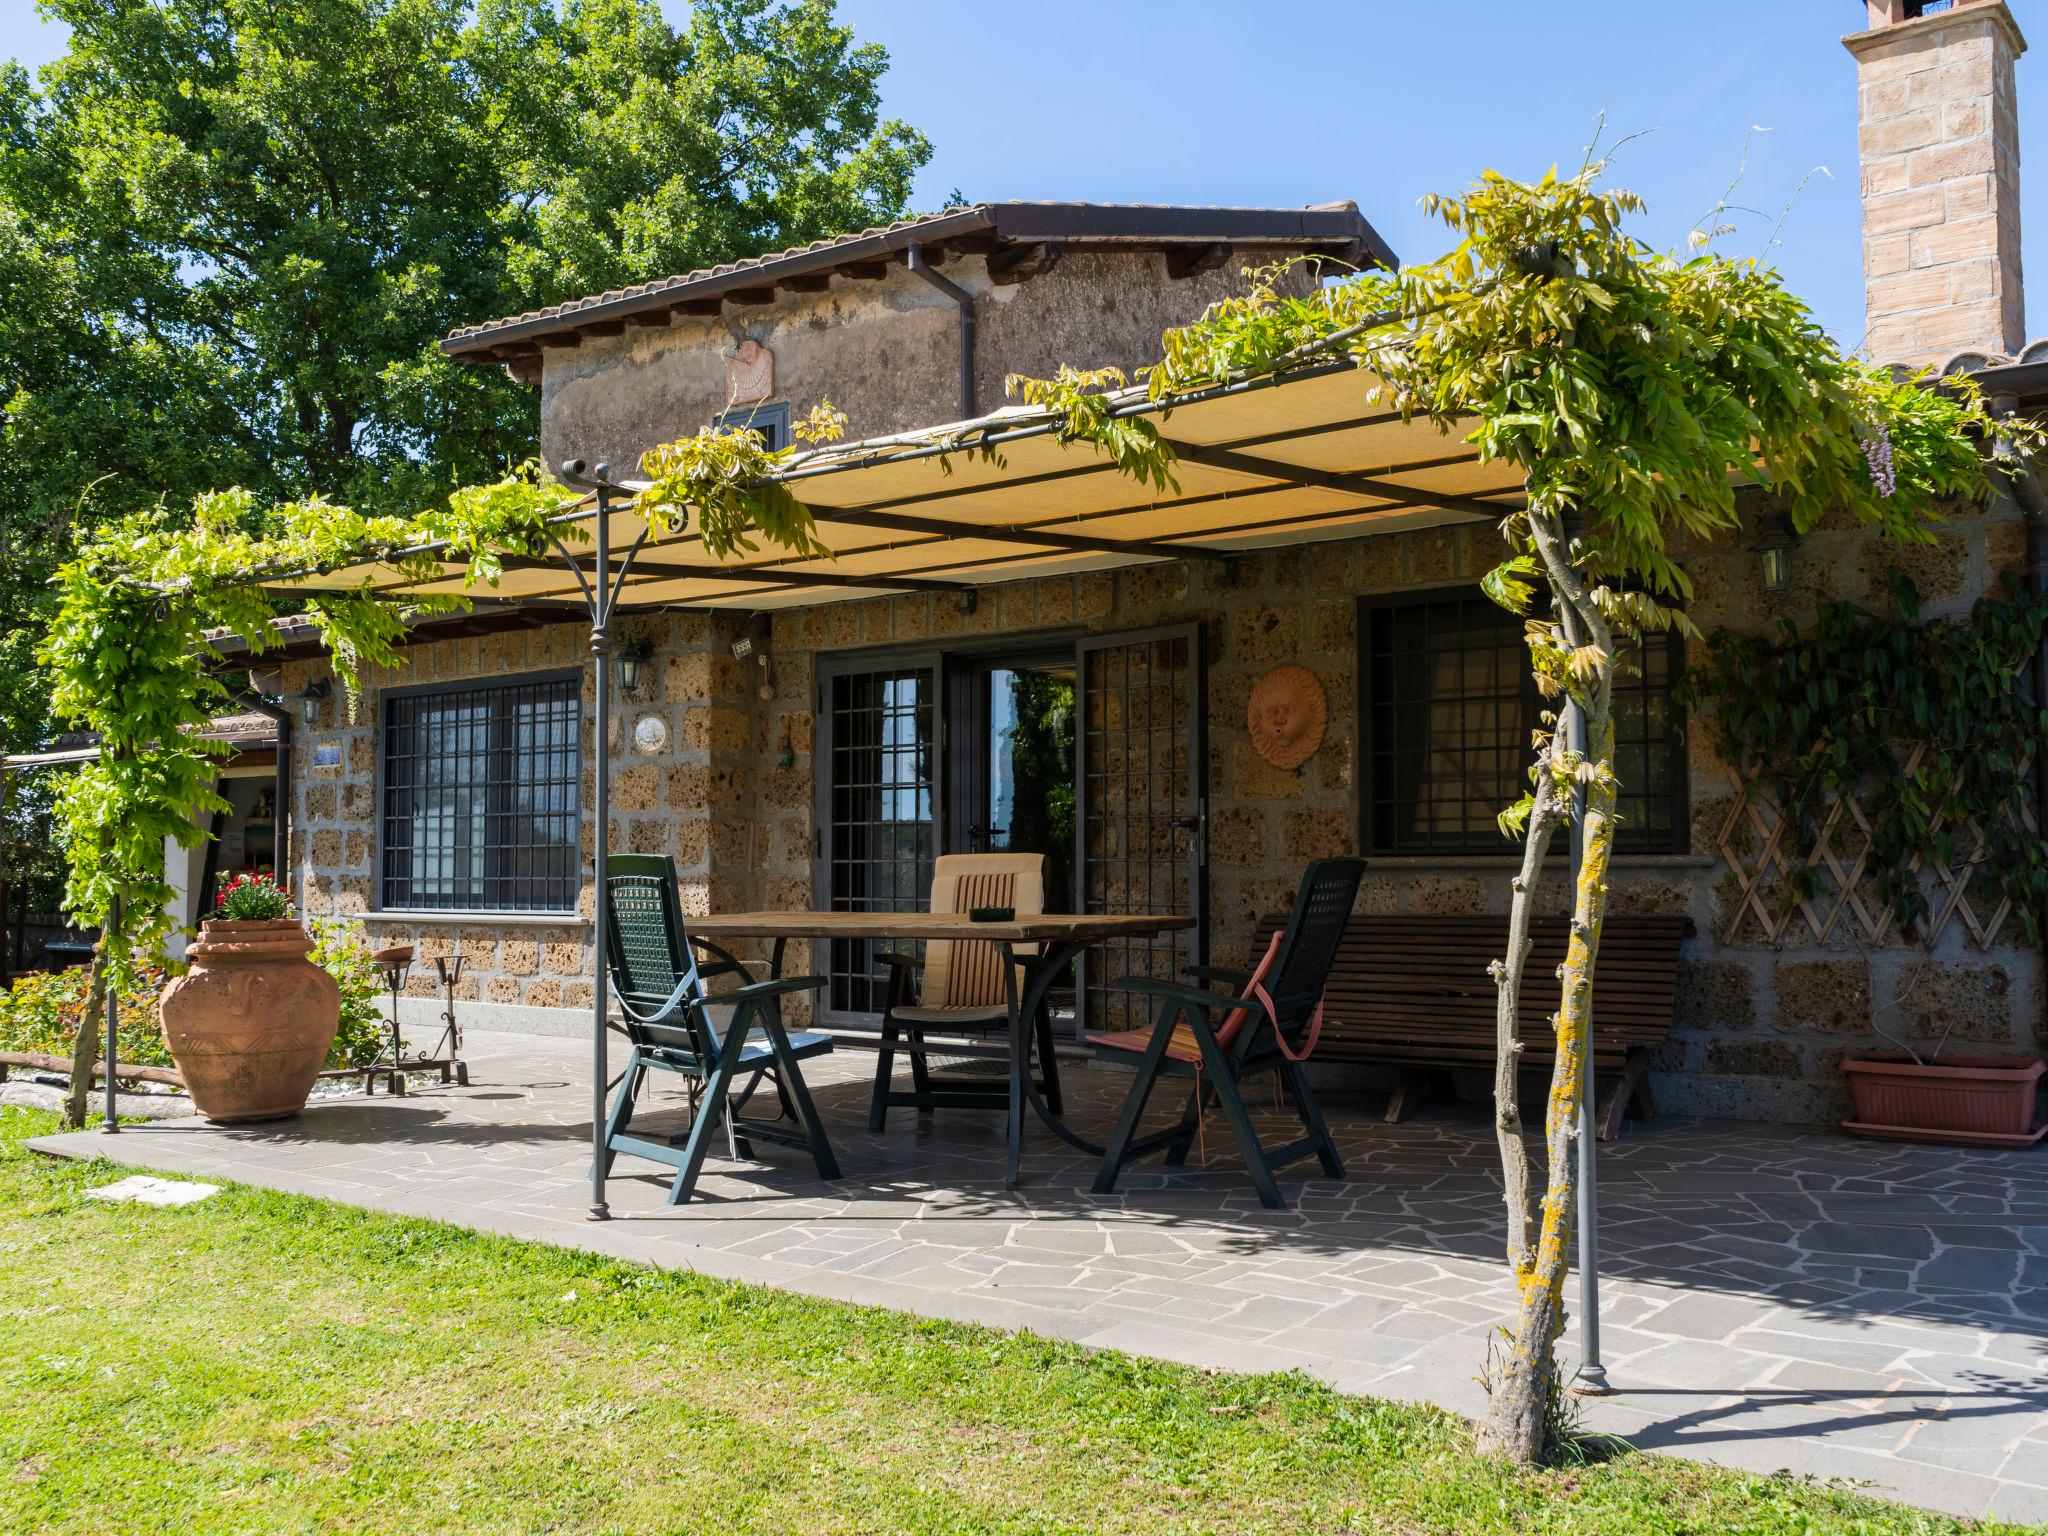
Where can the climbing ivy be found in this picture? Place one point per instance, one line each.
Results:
(1810, 718)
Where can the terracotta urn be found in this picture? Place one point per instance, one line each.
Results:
(251, 1023)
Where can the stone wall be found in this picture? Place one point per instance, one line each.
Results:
(729, 790)
(885, 350)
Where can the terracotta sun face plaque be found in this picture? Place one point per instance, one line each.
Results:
(749, 373)
(1287, 716)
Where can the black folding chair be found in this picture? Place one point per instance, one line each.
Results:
(1267, 1027)
(660, 990)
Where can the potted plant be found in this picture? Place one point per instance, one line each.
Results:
(1963, 1101)
(250, 1023)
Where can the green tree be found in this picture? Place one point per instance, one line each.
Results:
(232, 233)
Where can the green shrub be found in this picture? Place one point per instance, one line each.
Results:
(41, 1012)
(339, 947)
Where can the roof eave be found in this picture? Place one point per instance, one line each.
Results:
(1340, 227)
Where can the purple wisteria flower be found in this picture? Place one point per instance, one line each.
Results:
(1877, 452)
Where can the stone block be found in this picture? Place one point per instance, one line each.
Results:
(327, 848)
(319, 802)
(1056, 600)
(1333, 629)
(1714, 996)
(1754, 1058)
(787, 789)
(1829, 997)
(1323, 834)
(1936, 569)
(1238, 836)
(1263, 637)
(1432, 555)
(564, 959)
(913, 616)
(695, 788)
(1253, 778)
(544, 993)
(1380, 564)
(715, 729)
(1961, 1001)
(519, 957)
(687, 678)
(1095, 598)
(359, 803)
(636, 788)
(501, 989)
(1446, 895)
(693, 843)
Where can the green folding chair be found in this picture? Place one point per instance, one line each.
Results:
(666, 1016)
(1269, 1025)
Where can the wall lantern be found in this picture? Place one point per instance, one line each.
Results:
(632, 661)
(1773, 548)
(310, 700)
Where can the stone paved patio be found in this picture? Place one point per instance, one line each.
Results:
(1776, 1298)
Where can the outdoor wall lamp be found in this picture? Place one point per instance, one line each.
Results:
(1773, 548)
(310, 700)
(632, 660)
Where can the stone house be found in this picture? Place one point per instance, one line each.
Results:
(820, 754)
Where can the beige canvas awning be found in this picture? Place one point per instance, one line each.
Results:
(1305, 457)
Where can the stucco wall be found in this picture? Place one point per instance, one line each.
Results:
(885, 350)
(1759, 1030)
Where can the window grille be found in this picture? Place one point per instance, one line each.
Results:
(880, 826)
(1448, 710)
(481, 797)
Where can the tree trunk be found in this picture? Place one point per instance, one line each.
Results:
(85, 1050)
(1520, 1416)
(1546, 811)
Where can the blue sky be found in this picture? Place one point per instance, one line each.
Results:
(1209, 102)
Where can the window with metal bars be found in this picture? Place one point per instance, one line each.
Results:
(1447, 710)
(482, 794)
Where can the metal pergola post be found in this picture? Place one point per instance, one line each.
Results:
(113, 1123)
(1592, 1377)
(601, 592)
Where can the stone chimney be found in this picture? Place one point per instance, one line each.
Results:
(1939, 143)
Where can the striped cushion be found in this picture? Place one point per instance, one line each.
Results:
(968, 973)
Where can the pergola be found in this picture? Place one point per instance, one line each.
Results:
(1312, 453)
(1315, 453)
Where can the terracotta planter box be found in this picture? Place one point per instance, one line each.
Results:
(1971, 1101)
(251, 1023)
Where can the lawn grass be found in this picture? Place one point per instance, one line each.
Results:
(266, 1362)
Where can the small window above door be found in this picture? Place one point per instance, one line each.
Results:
(770, 422)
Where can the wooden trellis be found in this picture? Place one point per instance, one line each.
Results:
(1842, 850)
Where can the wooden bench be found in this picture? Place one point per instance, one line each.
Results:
(1414, 992)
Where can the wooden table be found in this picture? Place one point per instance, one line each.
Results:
(1041, 947)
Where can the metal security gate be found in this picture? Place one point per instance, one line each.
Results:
(878, 810)
(1141, 759)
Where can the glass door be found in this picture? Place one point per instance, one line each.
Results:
(1011, 741)
(878, 810)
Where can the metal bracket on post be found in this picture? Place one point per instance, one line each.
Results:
(970, 601)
